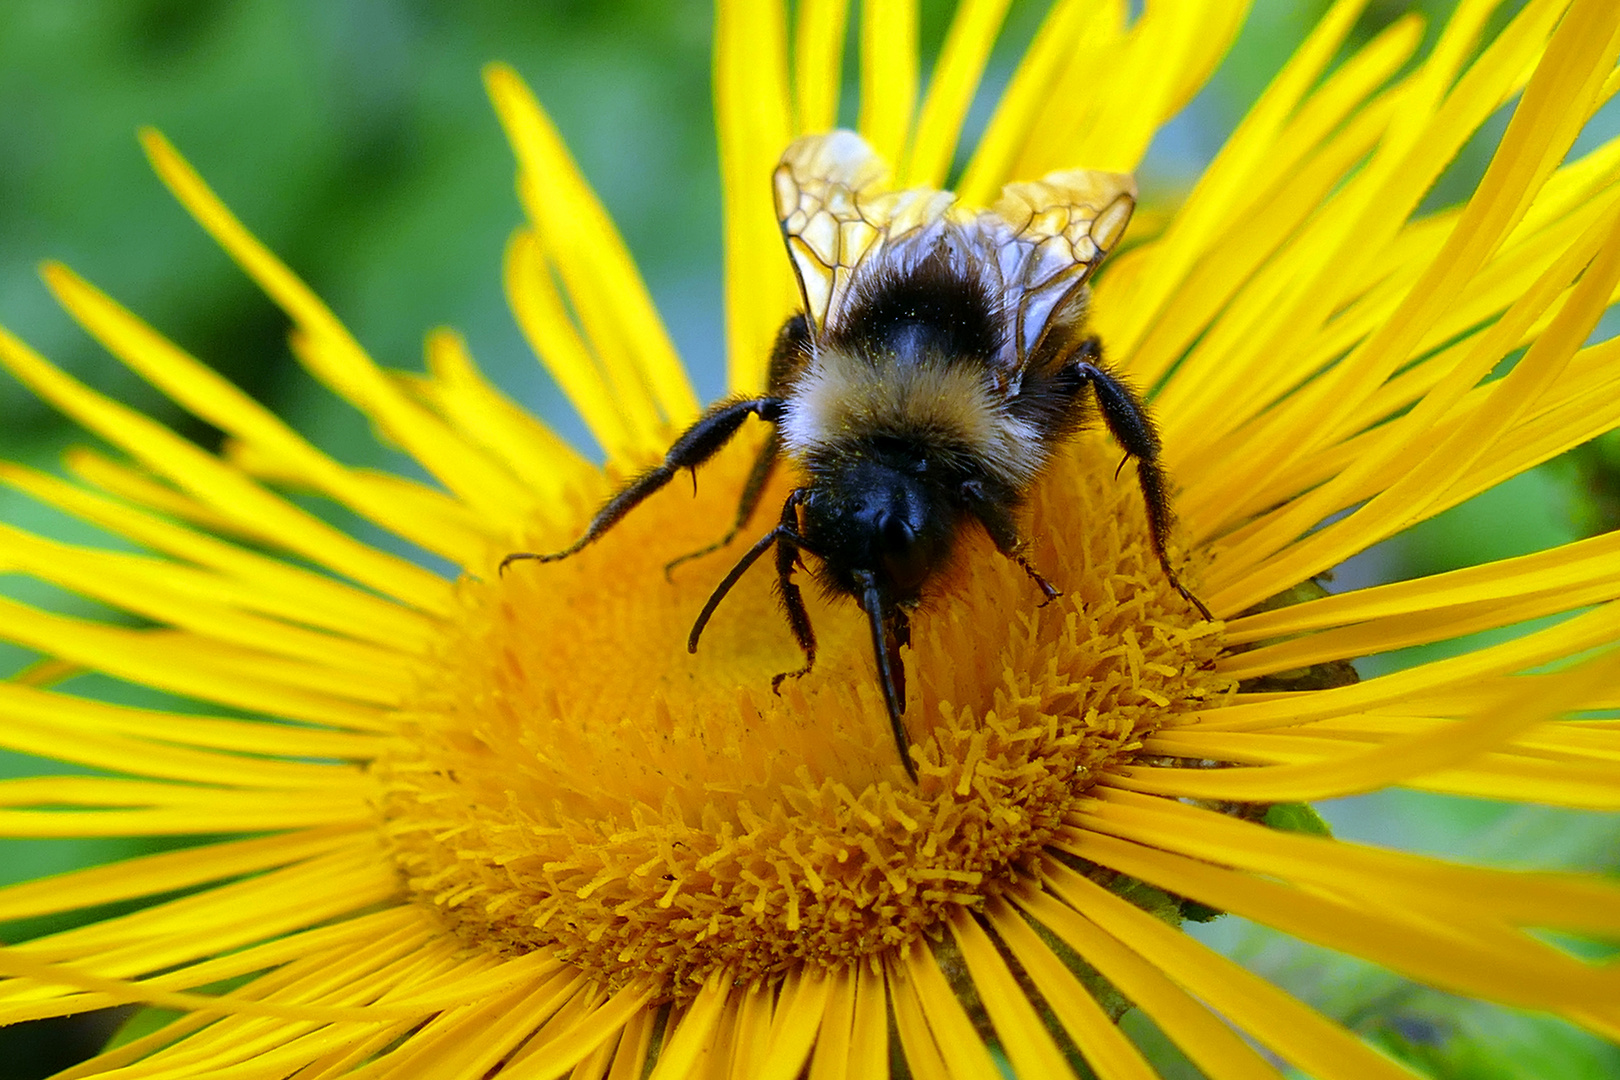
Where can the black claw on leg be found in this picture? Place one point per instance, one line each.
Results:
(782, 676)
(1050, 591)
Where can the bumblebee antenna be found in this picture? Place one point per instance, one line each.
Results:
(787, 535)
(872, 601)
(752, 556)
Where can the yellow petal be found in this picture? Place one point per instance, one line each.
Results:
(1124, 955)
(1562, 88)
(168, 871)
(335, 357)
(1506, 776)
(223, 489)
(1578, 565)
(833, 1055)
(1277, 1020)
(218, 813)
(1018, 1028)
(207, 605)
(1340, 245)
(269, 584)
(141, 488)
(798, 1015)
(1395, 760)
(688, 1033)
(1423, 950)
(1107, 123)
(950, 91)
(751, 113)
(1431, 465)
(207, 395)
(538, 307)
(1245, 166)
(114, 753)
(604, 288)
(535, 454)
(1589, 630)
(818, 58)
(1561, 901)
(254, 682)
(1109, 1053)
(1076, 35)
(888, 76)
(936, 1036)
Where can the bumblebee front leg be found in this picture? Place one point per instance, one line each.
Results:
(697, 444)
(787, 556)
(1128, 421)
(998, 522)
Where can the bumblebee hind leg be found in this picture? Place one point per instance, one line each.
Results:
(753, 489)
(697, 444)
(787, 356)
(1128, 421)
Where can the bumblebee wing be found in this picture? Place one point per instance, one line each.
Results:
(1049, 235)
(838, 214)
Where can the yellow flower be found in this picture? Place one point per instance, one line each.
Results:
(507, 824)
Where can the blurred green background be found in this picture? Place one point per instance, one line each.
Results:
(354, 138)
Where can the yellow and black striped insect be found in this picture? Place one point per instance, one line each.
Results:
(940, 359)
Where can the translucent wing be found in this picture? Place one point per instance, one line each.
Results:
(837, 214)
(1036, 246)
(1047, 237)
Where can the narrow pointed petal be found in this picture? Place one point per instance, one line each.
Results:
(951, 86)
(603, 286)
(751, 99)
(888, 76)
(335, 357)
(818, 58)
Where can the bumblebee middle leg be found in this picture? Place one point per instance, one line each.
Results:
(787, 557)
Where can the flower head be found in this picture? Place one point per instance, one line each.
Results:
(506, 823)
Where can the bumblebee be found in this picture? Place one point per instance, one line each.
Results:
(940, 360)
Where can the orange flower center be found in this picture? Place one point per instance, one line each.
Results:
(577, 782)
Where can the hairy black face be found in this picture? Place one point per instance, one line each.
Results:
(932, 309)
(881, 513)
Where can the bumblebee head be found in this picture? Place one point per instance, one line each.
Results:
(885, 518)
